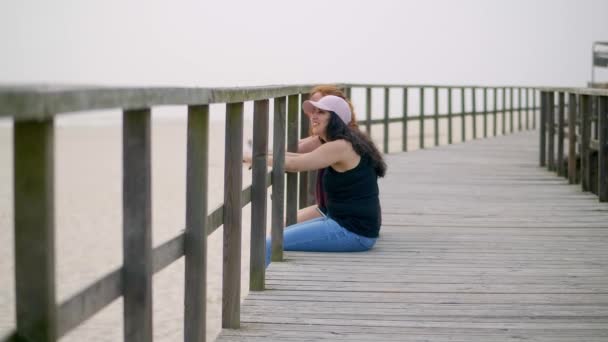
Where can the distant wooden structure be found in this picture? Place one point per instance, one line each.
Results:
(33, 110)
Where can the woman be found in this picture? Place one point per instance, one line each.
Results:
(312, 142)
(352, 163)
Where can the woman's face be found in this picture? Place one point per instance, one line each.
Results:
(318, 121)
(318, 118)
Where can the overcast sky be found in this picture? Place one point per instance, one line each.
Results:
(236, 43)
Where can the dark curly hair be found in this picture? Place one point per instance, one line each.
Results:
(362, 144)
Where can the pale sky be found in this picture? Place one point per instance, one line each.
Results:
(237, 43)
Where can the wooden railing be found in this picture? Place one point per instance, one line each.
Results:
(585, 127)
(33, 110)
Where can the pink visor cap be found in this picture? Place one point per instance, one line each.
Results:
(330, 103)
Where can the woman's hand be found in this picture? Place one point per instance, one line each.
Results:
(247, 158)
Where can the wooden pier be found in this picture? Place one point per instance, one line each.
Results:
(478, 243)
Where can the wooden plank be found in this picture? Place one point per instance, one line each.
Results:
(278, 179)
(368, 111)
(195, 235)
(519, 109)
(421, 120)
(561, 169)
(404, 132)
(292, 146)
(534, 91)
(463, 124)
(495, 112)
(137, 226)
(550, 112)
(603, 149)
(436, 115)
(527, 108)
(450, 138)
(474, 110)
(543, 127)
(386, 126)
(504, 111)
(485, 112)
(511, 108)
(303, 176)
(585, 132)
(572, 109)
(233, 179)
(34, 230)
(257, 266)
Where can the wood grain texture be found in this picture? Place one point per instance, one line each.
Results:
(34, 229)
(478, 244)
(137, 225)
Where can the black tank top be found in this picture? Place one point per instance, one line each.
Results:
(352, 198)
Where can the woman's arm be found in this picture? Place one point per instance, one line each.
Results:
(309, 144)
(325, 155)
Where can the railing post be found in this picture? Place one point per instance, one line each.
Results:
(257, 251)
(195, 237)
(572, 107)
(585, 113)
(33, 162)
(603, 149)
(474, 111)
(504, 111)
(233, 181)
(495, 112)
(436, 115)
(386, 124)
(404, 134)
(463, 121)
(560, 134)
(534, 108)
(450, 115)
(137, 226)
(527, 108)
(543, 126)
(511, 125)
(421, 125)
(278, 179)
(550, 112)
(485, 112)
(519, 124)
(304, 127)
(292, 146)
(368, 111)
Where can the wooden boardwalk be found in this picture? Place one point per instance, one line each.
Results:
(478, 244)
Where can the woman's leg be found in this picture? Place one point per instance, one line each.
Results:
(321, 235)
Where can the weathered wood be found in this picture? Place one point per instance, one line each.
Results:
(527, 108)
(137, 226)
(519, 109)
(304, 183)
(368, 111)
(34, 229)
(257, 251)
(550, 112)
(511, 109)
(504, 111)
(195, 235)
(485, 112)
(572, 109)
(278, 179)
(543, 127)
(386, 123)
(233, 180)
(603, 149)
(421, 120)
(561, 170)
(495, 112)
(404, 133)
(463, 118)
(450, 137)
(477, 263)
(436, 115)
(292, 146)
(534, 104)
(474, 111)
(585, 135)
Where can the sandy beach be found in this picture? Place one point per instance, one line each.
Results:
(88, 199)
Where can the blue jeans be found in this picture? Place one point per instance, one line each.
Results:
(321, 234)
